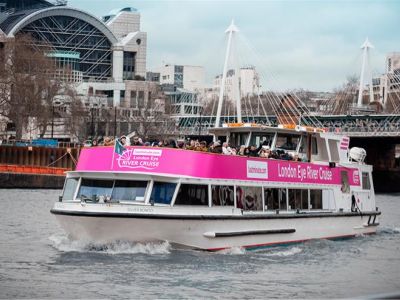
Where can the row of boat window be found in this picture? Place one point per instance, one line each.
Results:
(247, 197)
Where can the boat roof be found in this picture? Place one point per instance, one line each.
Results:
(251, 127)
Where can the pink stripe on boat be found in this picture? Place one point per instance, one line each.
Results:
(186, 163)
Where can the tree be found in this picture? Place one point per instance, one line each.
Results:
(344, 97)
(27, 84)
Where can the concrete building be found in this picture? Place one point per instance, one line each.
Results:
(386, 88)
(190, 78)
(248, 83)
(108, 56)
(392, 62)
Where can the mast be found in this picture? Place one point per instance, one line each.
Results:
(366, 62)
(231, 29)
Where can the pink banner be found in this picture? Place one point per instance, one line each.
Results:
(187, 163)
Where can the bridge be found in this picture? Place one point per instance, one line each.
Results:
(379, 125)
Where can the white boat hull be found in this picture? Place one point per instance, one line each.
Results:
(208, 232)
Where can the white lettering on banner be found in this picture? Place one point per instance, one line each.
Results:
(257, 169)
(144, 158)
(302, 173)
(150, 152)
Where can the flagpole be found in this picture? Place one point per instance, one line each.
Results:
(112, 160)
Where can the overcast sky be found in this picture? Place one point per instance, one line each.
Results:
(304, 44)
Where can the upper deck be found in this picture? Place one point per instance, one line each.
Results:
(311, 144)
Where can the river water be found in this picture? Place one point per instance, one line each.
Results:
(38, 261)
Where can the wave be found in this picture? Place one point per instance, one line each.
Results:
(389, 230)
(283, 253)
(64, 244)
(233, 251)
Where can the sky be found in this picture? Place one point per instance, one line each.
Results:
(313, 45)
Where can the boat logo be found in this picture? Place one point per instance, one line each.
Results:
(140, 158)
(257, 169)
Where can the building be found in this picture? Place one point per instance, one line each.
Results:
(386, 88)
(190, 78)
(107, 56)
(248, 83)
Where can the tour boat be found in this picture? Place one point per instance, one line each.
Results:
(213, 201)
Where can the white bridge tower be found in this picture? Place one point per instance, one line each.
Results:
(230, 31)
(365, 70)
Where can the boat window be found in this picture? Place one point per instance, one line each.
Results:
(249, 197)
(125, 190)
(258, 138)
(192, 194)
(162, 192)
(298, 199)
(345, 182)
(237, 139)
(303, 144)
(222, 195)
(287, 142)
(366, 185)
(333, 148)
(282, 199)
(314, 147)
(316, 199)
(271, 197)
(70, 188)
(92, 189)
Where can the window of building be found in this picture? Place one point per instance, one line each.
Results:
(129, 65)
(162, 192)
(126, 190)
(192, 194)
(249, 197)
(70, 188)
(141, 99)
(366, 184)
(222, 195)
(133, 101)
(92, 189)
(315, 199)
(298, 198)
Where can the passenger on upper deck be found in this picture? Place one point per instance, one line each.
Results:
(108, 141)
(124, 141)
(137, 141)
(265, 152)
(227, 150)
(216, 147)
(242, 150)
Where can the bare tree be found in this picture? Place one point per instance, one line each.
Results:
(75, 116)
(344, 97)
(27, 84)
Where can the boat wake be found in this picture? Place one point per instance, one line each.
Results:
(389, 230)
(64, 244)
(283, 253)
(233, 251)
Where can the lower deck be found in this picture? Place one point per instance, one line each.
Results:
(208, 196)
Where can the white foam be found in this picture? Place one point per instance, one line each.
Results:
(284, 253)
(62, 243)
(233, 251)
